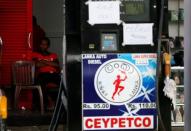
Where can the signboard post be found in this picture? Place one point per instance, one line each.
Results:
(119, 92)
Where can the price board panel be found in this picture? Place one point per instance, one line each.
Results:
(119, 92)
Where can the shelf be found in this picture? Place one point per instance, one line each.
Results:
(180, 86)
(179, 104)
(177, 22)
(176, 49)
(176, 28)
(176, 17)
(176, 0)
(165, 40)
(177, 68)
(177, 123)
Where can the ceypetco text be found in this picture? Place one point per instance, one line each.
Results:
(118, 122)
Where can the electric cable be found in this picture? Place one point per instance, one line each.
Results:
(58, 108)
(57, 117)
(158, 63)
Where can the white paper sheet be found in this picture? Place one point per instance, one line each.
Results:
(104, 12)
(138, 34)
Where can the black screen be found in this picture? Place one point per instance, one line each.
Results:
(135, 10)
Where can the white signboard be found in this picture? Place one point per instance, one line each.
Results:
(104, 12)
(138, 34)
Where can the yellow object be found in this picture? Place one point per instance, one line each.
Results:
(3, 107)
(167, 59)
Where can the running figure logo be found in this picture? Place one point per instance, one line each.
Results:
(118, 87)
(117, 81)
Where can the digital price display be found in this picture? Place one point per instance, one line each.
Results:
(135, 10)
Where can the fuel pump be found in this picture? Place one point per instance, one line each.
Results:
(112, 65)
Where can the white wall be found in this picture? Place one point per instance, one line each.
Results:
(49, 14)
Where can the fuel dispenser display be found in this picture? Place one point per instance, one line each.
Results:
(109, 41)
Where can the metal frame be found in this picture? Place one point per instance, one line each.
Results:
(187, 64)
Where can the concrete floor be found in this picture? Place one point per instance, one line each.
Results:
(33, 128)
(30, 121)
(60, 128)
